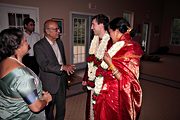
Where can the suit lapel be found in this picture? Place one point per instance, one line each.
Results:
(49, 50)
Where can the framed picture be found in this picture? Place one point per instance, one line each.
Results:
(60, 24)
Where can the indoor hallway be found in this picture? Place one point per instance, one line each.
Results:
(160, 83)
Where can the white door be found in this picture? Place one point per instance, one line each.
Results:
(13, 16)
(81, 36)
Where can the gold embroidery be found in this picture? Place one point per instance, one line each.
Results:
(128, 56)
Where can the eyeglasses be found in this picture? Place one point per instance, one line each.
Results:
(55, 29)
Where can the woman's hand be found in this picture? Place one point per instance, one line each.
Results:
(40, 103)
(47, 97)
(107, 59)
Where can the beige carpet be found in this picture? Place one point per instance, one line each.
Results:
(167, 68)
(160, 82)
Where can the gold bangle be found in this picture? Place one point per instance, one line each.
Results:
(111, 67)
(115, 72)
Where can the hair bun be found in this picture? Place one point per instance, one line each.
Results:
(123, 28)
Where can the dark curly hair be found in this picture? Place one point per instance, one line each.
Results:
(10, 39)
(101, 18)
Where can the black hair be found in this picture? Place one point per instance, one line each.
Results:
(101, 18)
(122, 25)
(27, 21)
(10, 39)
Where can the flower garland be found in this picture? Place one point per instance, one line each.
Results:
(112, 51)
(95, 81)
(99, 78)
(96, 53)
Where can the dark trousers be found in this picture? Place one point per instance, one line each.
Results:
(58, 100)
(30, 62)
(85, 78)
(88, 105)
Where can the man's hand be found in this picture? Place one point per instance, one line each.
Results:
(69, 69)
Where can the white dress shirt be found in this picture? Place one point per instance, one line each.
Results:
(32, 39)
(56, 50)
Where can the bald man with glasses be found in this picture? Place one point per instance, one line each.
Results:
(50, 56)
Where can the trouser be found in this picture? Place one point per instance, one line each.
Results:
(88, 105)
(58, 101)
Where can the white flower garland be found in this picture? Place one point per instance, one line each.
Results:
(98, 50)
(99, 79)
(112, 51)
(99, 53)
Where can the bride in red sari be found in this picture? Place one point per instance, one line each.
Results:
(119, 96)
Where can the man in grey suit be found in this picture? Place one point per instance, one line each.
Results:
(50, 56)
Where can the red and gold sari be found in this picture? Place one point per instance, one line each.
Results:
(121, 99)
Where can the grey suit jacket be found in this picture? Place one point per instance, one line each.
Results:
(50, 73)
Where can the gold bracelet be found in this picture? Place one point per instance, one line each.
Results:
(115, 72)
(111, 67)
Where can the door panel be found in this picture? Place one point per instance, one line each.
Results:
(81, 24)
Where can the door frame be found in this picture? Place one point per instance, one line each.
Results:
(80, 65)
